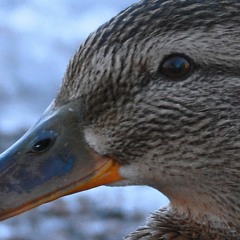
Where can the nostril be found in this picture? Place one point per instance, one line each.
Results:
(42, 145)
(42, 142)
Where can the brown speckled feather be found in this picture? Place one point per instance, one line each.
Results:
(167, 225)
(181, 137)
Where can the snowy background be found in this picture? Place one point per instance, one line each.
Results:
(37, 38)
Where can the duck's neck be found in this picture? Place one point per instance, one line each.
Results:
(170, 224)
(219, 203)
(187, 226)
(203, 193)
(207, 196)
(206, 204)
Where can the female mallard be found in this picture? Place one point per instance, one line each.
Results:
(151, 98)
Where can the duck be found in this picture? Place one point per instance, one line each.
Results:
(150, 98)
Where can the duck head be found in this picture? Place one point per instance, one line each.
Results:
(151, 98)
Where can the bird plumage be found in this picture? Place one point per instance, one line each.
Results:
(179, 135)
(186, 132)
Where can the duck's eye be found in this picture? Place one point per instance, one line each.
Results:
(41, 145)
(176, 67)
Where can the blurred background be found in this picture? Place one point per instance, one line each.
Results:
(37, 38)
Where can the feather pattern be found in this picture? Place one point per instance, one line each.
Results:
(180, 137)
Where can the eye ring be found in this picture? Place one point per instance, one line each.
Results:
(176, 66)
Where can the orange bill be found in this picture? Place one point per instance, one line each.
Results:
(51, 160)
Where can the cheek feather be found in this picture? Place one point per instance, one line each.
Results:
(95, 141)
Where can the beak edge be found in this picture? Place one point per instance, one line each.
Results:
(106, 172)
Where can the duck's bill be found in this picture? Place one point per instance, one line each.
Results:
(50, 161)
